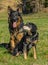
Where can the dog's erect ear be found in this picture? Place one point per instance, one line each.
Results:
(9, 9)
(17, 10)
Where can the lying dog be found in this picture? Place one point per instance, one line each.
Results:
(22, 37)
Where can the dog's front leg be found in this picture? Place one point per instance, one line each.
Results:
(12, 43)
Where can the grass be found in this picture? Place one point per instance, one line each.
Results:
(41, 20)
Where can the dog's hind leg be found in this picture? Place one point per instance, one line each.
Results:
(34, 51)
(25, 51)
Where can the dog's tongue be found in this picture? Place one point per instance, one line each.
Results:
(14, 24)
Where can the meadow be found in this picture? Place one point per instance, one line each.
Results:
(41, 20)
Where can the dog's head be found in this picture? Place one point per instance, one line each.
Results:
(14, 17)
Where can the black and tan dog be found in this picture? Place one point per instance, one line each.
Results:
(15, 22)
(22, 37)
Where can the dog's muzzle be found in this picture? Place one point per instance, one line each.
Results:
(14, 22)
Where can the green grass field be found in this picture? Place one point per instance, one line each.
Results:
(41, 20)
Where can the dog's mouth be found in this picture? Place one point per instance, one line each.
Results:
(14, 24)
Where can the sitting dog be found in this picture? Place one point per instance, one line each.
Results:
(15, 22)
(22, 37)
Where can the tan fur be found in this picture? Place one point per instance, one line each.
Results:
(19, 36)
(18, 23)
(25, 55)
(34, 51)
(12, 43)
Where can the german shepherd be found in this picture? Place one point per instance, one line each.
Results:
(22, 36)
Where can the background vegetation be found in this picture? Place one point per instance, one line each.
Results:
(26, 6)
